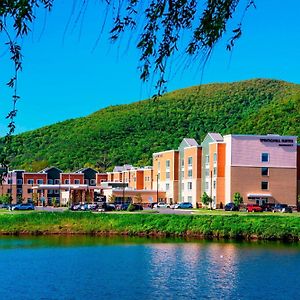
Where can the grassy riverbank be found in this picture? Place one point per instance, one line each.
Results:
(202, 226)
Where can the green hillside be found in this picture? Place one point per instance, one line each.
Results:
(131, 133)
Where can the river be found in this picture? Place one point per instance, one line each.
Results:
(136, 268)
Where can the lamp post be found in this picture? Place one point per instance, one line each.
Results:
(123, 199)
(211, 189)
(157, 188)
(32, 193)
(69, 191)
(10, 197)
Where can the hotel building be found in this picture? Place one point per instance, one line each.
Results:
(262, 168)
(165, 174)
(190, 157)
(213, 168)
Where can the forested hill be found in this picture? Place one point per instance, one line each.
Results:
(131, 133)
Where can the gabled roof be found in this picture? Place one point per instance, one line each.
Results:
(216, 136)
(49, 168)
(122, 168)
(127, 167)
(85, 169)
(191, 142)
(118, 169)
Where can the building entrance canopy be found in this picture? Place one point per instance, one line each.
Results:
(62, 186)
(259, 195)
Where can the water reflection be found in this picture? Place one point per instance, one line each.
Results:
(67, 267)
(222, 271)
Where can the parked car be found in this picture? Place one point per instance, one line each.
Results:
(184, 205)
(284, 208)
(106, 207)
(138, 207)
(75, 207)
(254, 208)
(124, 206)
(23, 206)
(7, 206)
(161, 205)
(92, 206)
(268, 206)
(84, 207)
(231, 207)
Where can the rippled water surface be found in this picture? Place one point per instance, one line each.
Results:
(114, 268)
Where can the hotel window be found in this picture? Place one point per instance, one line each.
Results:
(182, 186)
(19, 191)
(56, 181)
(30, 181)
(29, 191)
(50, 181)
(56, 191)
(40, 181)
(190, 199)
(67, 181)
(206, 159)
(264, 185)
(50, 192)
(190, 173)
(214, 184)
(215, 171)
(167, 164)
(264, 171)
(190, 186)
(215, 157)
(167, 186)
(182, 162)
(190, 161)
(265, 157)
(8, 191)
(86, 181)
(182, 174)
(77, 181)
(167, 175)
(206, 185)
(9, 181)
(19, 181)
(206, 172)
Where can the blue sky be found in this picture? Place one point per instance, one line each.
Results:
(64, 78)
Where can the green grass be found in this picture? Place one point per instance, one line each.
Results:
(234, 226)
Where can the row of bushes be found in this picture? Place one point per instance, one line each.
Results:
(202, 226)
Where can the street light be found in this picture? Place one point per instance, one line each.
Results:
(157, 189)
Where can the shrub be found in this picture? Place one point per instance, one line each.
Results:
(131, 207)
(237, 199)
